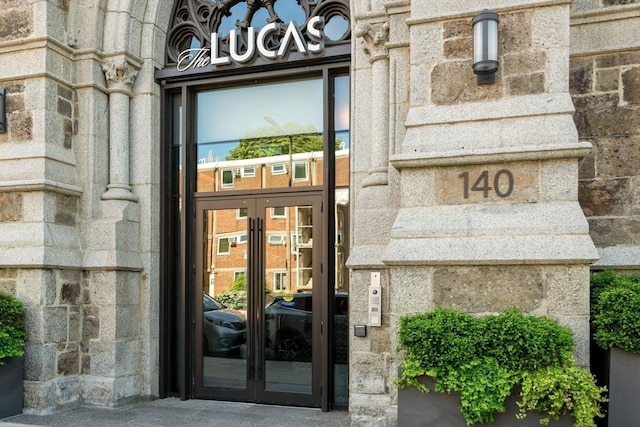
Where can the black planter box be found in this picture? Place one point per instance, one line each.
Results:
(12, 389)
(624, 389)
(418, 409)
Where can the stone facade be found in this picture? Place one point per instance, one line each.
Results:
(80, 184)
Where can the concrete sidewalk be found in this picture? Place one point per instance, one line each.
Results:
(174, 412)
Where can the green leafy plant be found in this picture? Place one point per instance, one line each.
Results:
(234, 299)
(484, 358)
(12, 333)
(615, 313)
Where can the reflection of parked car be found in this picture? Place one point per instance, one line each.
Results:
(224, 329)
(289, 330)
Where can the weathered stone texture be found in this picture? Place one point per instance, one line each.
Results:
(604, 197)
(607, 113)
(20, 126)
(8, 278)
(66, 210)
(488, 289)
(16, 23)
(618, 121)
(458, 39)
(607, 80)
(521, 63)
(581, 76)
(10, 207)
(618, 156)
(617, 2)
(454, 82)
(515, 32)
(615, 231)
(69, 363)
(70, 293)
(631, 85)
(526, 85)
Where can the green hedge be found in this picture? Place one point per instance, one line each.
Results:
(615, 311)
(12, 334)
(484, 358)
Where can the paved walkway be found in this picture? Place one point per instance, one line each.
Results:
(193, 413)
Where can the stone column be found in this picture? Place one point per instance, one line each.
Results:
(374, 41)
(120, 75)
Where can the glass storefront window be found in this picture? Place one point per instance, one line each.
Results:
(261, 136)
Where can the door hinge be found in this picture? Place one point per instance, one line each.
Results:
(321, 328)
(322, 207)
(321, 268)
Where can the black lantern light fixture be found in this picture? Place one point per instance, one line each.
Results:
(3, 110)
(485, 46)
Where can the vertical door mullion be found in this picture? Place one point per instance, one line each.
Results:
(258, 288)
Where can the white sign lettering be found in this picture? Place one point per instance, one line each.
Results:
(203, 57)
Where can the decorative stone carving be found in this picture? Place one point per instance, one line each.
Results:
(193, 22)
(374, 39)
(120, 75)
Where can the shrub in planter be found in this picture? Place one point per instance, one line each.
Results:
(12, 334)
(484, 359)
(615, 302)
(615, 311)
(12, 339)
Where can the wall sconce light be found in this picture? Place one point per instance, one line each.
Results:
(3, 111)
(485, 46)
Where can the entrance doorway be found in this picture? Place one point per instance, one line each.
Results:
(261, 255)
(256, 239)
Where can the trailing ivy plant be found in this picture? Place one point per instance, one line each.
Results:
(484, 358)
(12, 334)
(615, 313)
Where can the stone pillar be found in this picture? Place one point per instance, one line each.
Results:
(489, 174)
(374, 41)
(120, 75)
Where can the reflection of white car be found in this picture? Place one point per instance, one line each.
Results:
(224, 329)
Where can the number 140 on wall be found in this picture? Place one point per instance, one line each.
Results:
(502, 183)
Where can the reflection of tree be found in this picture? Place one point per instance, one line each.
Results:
(259, 143)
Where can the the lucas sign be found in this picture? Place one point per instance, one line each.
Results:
(256, 43)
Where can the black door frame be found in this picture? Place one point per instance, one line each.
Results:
(177, 334)
(255, 373)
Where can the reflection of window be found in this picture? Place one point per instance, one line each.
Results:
(224, 245)
(237, 274)
(242, 238)
(278, 169)
(279, 281)
(300, 171)
(295, 238)
(276, 239)
(278, 212)
(241, 213)
(248, 171)
(227, 177)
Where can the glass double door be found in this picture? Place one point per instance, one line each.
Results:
(258, 303)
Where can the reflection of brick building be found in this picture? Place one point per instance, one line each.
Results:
(288, 241)
(271, 172)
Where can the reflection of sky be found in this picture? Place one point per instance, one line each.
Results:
(228, 114)
(225, 116)
(341, 100)
(287, 10)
